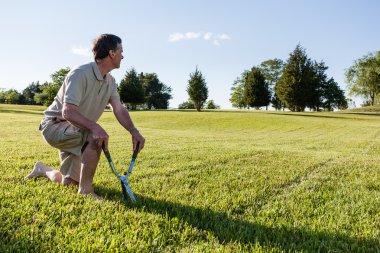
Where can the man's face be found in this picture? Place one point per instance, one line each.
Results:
(117, 55)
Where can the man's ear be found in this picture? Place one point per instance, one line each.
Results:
(111, 53)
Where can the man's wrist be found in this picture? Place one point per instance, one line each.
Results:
(92, 126)
(133, 129)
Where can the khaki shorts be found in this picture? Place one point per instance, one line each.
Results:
(70, 140)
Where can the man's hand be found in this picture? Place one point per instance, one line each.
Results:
(137, 137)
(70, 113)
(100, 136)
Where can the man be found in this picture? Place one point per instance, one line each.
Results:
(69, 123)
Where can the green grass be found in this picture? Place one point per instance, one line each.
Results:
(369, 109)
(220, 181)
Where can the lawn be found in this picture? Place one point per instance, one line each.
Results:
(212, 181)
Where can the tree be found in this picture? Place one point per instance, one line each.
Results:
(317, 83)
(237, 92)
(30, 91)
(272, 70)
(211, 105)
(197, 89)
(2, 95)
(59, 76)
(11, 96)
(277, 103)
(295, 87)
(50, 90)
(256, 91)
(47, 94)
(334, 96)
(157, 94)
(186, 105)
(131, 90)
(363, 77)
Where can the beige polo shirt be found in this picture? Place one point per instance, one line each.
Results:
(86, 88)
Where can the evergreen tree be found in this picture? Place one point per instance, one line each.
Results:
(131, 90)
(256, 91)
(296, 87)
(157, 94)
(197, 89)
(333, 96)
(277, 103)
(317, 85)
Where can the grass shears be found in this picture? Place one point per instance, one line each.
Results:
(126, 189)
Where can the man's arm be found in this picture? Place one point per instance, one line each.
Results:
(125, 120)
(71, 114)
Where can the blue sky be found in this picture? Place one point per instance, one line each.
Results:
(171, 37)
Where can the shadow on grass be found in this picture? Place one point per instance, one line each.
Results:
(18, 245)
(283, 113)
(317, 115)
(228, 229)
(361, 113)
(22, 112)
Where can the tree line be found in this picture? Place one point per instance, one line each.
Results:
(144, 90)
(301, 83)
(136, 90)
(36, 93)
(296, 84)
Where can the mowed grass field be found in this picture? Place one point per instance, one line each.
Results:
(214, 181)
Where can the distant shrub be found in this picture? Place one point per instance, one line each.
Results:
(186, 105)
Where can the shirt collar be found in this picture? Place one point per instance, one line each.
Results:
(97, 71)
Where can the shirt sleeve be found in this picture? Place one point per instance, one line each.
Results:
(115, 94)
(75, 88)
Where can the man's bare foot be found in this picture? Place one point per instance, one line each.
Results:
(39, 170)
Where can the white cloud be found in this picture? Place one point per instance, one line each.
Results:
(224, 37)
(192, 35)
(206, 36)
(82, 51)
(176, 37)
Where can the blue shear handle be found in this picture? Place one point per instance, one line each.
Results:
(109, 159)
(126, 174)
(107, 153)
(135, 152)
